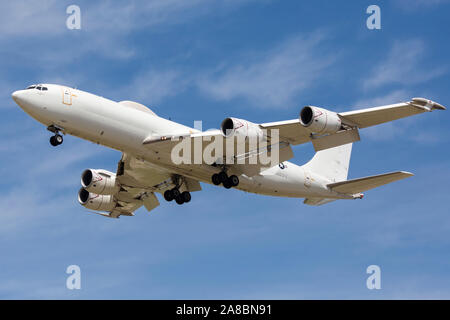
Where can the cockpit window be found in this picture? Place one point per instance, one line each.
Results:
(38, 87)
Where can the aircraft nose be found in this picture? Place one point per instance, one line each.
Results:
(17, 95)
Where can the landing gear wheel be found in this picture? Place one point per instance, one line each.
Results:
(223, 176)
(59, 139)
(227, 184)
(234, 180)
(56, 140)
(53, 141)
(168, 195)
(175, 193)
(216, 179)
(179, 199)
(186, 196)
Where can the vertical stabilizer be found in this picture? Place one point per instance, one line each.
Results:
(332, 163)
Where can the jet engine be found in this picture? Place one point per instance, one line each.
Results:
(99, 181)
(93, 201)
(318, 120)
(241, 128)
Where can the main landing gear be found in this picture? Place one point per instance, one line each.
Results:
(227, 181)
(175, 193)
(179, 197)
(57, 139)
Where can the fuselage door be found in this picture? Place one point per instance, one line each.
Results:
(67, 96)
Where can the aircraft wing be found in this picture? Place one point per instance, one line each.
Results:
(139, 181)
(290, 132)
(372, 116)
(295, 133)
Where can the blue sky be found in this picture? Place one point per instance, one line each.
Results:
(207, 60)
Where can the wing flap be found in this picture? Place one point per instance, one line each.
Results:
(150, 201)
(363, 184)
(138, 180)
(192, 184)
(138, 173)
(317, 201)
(290, 130)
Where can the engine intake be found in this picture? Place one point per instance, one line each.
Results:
(231, 127)
(319, 120)
(94, 201)
(99, 181)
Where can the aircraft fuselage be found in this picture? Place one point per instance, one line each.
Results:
(124, 128)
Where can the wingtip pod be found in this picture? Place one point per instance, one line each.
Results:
(427, 104)
(358, 195)
(407, 174)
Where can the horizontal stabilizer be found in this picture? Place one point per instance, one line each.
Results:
(363, 184)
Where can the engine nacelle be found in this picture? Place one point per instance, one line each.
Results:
(319, 120)
(99, 181)
(233, 127)
(94, 201)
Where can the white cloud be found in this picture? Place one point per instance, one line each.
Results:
(402, 66)
(273, 78)
(413, 5)
(43, 19)
(48, 17)
(155, 85)
(390, 98)
(110, 16)
(105, 26)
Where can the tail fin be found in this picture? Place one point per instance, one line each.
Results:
(332, 163)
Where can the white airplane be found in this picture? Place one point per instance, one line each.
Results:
(147, 141)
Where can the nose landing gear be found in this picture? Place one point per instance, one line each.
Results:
(57, 139)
